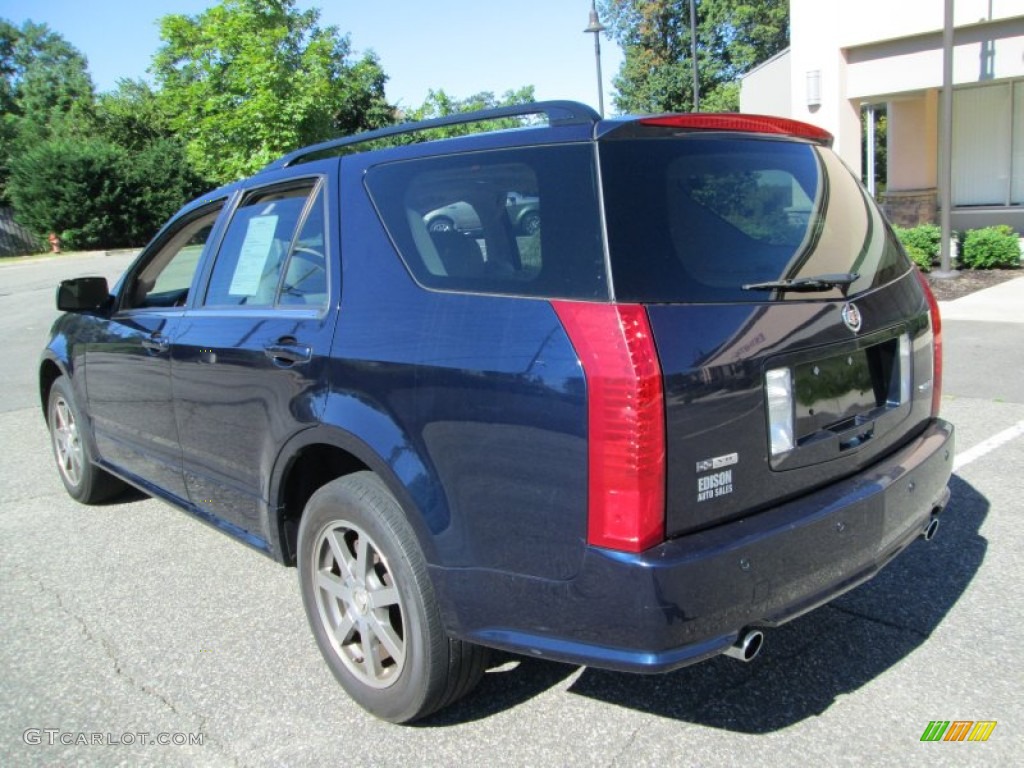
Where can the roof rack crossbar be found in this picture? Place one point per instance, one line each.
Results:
(557, 113)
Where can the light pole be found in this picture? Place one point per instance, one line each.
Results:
(693, 55)
(597, 28)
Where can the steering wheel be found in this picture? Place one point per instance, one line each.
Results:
(316, 266)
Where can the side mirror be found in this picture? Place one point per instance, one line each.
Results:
(83, 294)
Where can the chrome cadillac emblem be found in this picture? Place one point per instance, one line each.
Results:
(852, 318)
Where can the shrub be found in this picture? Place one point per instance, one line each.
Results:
(919, 257)
(991, 248)
(96, 194)
(71, 187)
(923, 243)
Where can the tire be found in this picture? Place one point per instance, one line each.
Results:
(84, 481)
(441, 224)
(371, 605)
(530, 223)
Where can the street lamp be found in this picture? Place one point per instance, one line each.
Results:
(597, 28)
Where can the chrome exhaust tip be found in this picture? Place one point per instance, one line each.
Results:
(747, 646)
(931, 530)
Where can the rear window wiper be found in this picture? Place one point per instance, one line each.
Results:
(817, 283)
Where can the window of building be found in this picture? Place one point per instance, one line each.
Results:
(988, 145)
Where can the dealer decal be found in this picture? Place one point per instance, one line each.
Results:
(714, 485)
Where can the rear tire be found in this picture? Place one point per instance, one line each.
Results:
(371, 605)
(84, 481)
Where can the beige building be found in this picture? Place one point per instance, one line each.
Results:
(847, 56)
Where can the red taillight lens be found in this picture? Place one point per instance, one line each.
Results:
(626, 421)
(936, 318)
(741, 122)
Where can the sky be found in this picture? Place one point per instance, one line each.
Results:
(461, 46)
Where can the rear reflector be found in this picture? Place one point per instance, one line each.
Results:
(626, 423)
(905, 369)
(746, 123)
(936, 318)
(779, 389)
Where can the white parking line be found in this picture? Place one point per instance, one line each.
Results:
(987, 446)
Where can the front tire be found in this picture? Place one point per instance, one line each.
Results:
(371, 605)
(84, 481)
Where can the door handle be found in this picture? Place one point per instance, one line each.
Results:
(156, 344)
(288, 352)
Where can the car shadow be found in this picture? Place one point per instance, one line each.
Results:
(126, 496)
(805, 665)
(509, 681)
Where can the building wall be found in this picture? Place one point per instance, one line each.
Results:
(815, 34)
(869, 21)
(766, 89)
(890, 52)
(913, 142)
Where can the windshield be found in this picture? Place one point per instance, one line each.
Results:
(695, 219)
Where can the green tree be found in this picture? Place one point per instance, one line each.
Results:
(132, 115)
(248, 80)
(440, 104)
(657, 69)
(45, 90)
(155, 173)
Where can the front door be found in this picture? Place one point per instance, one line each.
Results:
(128, 363)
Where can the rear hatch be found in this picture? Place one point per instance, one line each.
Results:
(793, 335)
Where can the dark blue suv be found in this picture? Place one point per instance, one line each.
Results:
(697, 398)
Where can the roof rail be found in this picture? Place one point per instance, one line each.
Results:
(557, 113)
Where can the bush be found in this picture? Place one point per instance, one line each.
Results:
(71, 187)
(919, 257)
(96, 194)
(991, 248)
(923, 244)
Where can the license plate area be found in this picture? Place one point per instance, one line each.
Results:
(841, 391)
(845, 398)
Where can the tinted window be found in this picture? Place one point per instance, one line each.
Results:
(272, 251)
(519, 222)
(695, 219)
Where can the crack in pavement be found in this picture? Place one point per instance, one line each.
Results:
(109, 651)
(876, 620)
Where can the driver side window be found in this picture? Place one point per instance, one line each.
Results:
(166, 278)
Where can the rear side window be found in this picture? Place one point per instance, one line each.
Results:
(520, 222)
(695, 219)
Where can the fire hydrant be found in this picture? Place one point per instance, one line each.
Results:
(54, 242)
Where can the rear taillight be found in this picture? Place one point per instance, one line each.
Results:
(936, 321)
(626, 423)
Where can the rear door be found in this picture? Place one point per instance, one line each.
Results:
(770, 392)
(249, 361)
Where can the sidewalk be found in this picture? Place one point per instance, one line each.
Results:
(1003, 303)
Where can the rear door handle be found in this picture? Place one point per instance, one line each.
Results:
(288, 352)
(156, 344)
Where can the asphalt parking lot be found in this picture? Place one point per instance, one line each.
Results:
(130, 624)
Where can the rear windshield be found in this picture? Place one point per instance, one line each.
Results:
(695, 219)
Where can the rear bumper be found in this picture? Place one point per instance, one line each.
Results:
(689, 598)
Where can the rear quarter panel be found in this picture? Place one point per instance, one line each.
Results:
(476, 403)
